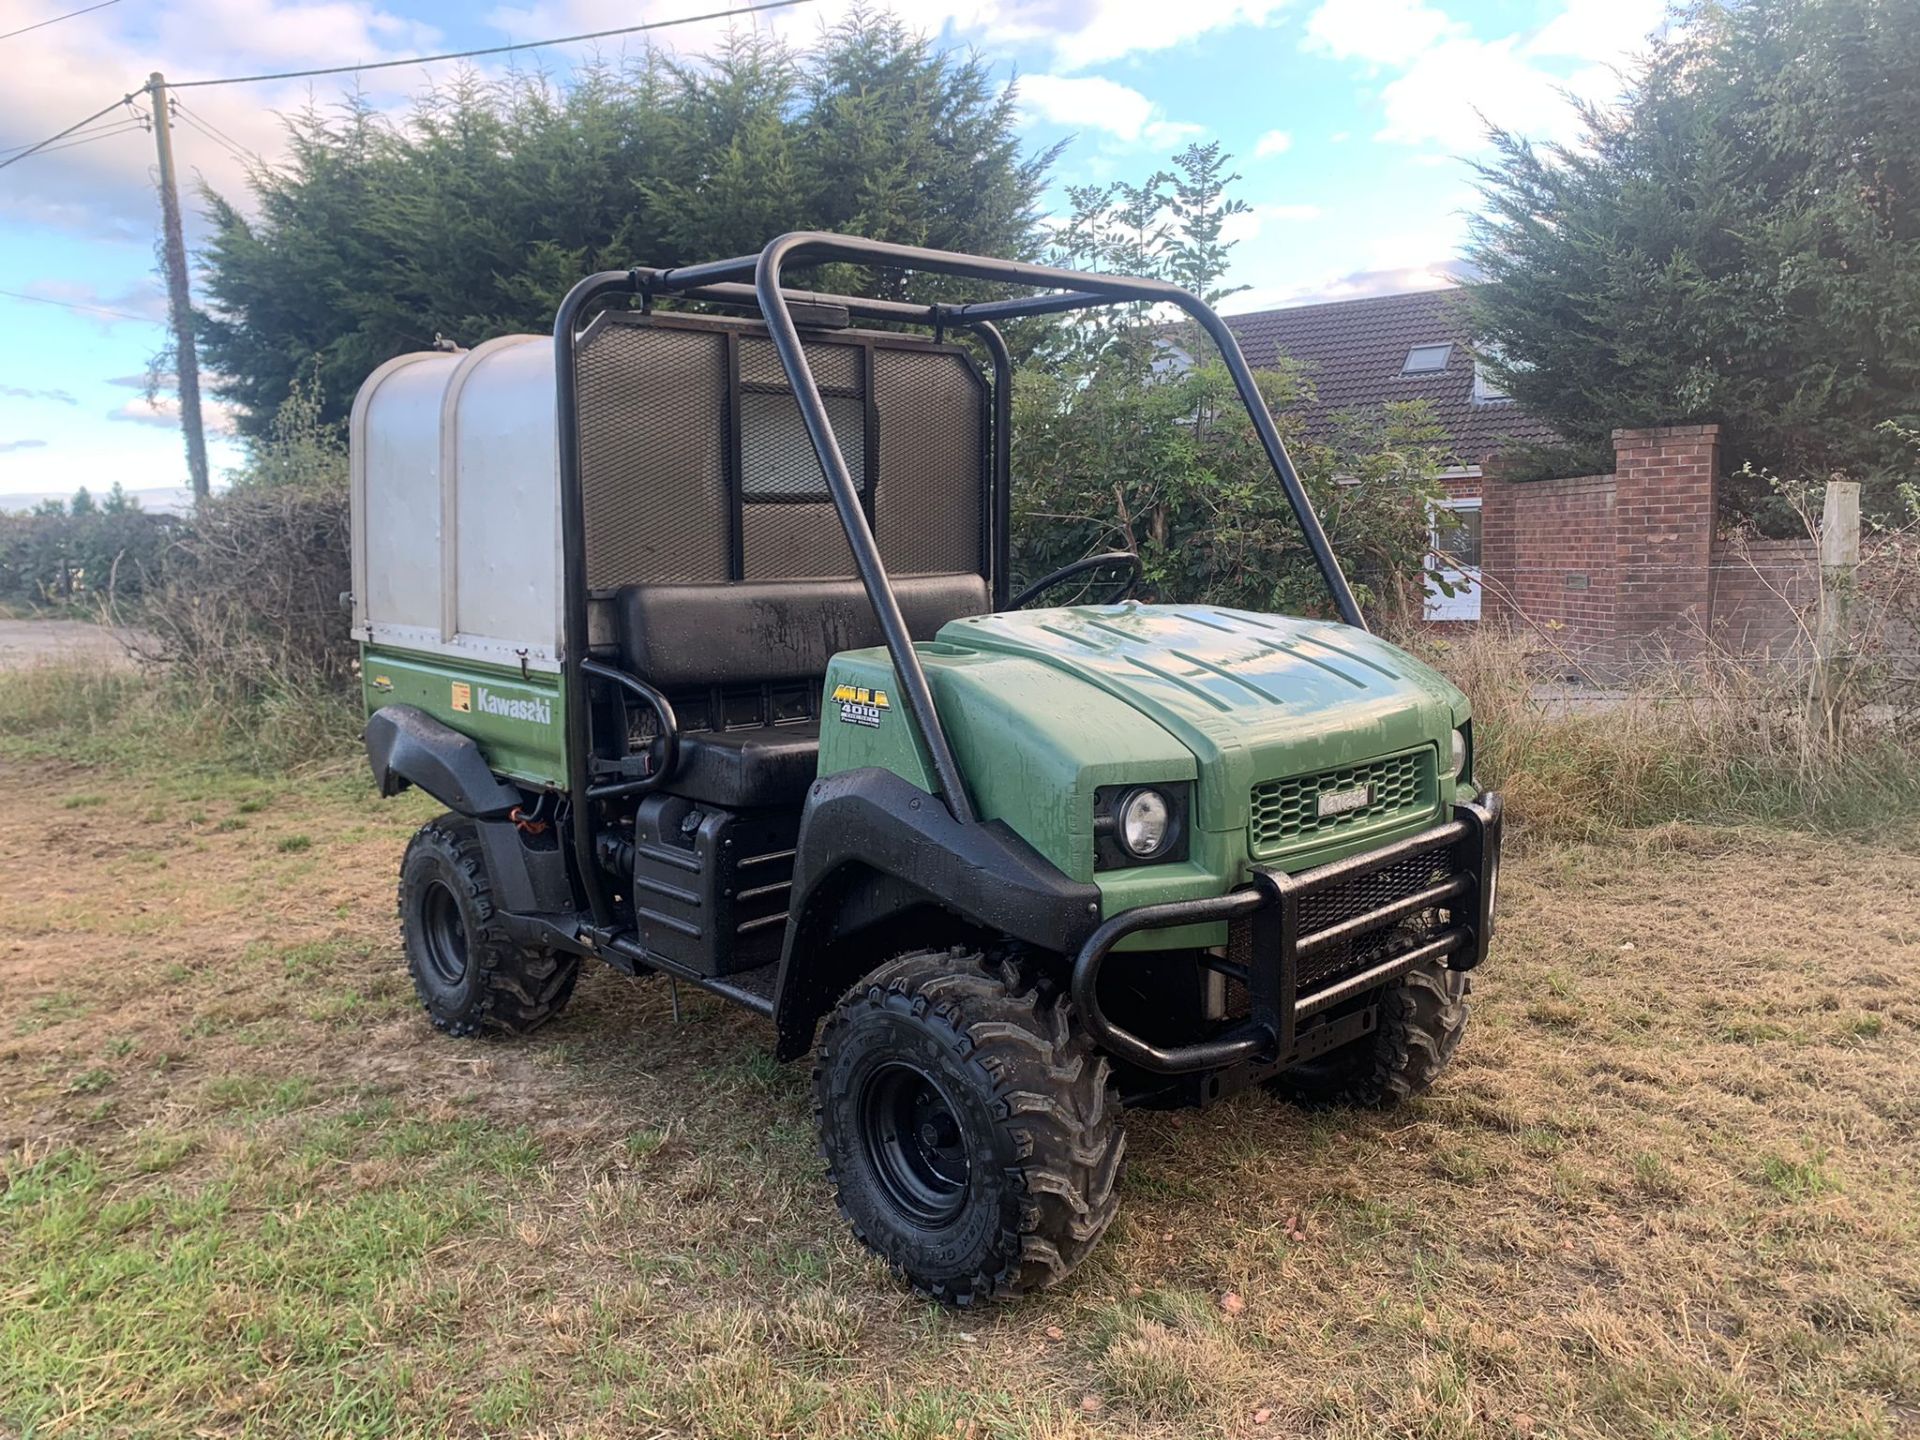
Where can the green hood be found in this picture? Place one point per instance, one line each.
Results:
(1254, 697)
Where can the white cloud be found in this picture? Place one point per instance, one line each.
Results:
(138, 304)
(1109, 29)
(22, 392)
(1249, 223)
(1454, 90)
(1381, 32)
(1353, 285)
(162, 408)
(1451, 84)
(1093, 102)
(103, 186)
(7, 447)
(1598, 29)
(1274, 142)
(1077, 33)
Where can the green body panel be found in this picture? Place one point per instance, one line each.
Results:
(1034, 743)
(519, 722)
(1043, 706)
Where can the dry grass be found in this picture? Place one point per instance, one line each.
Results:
(1670, 1189)
(1722, 738)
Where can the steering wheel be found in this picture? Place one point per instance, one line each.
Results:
(1092, 562)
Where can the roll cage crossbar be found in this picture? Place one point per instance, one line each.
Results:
(753, 281)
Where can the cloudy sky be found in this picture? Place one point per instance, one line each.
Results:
(1351, 121)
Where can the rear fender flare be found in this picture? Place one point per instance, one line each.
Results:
(407, 746)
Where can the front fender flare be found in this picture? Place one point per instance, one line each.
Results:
(873, 845)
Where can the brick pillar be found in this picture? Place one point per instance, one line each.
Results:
(1666, 499)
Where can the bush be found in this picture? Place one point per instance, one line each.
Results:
(246, 604)
(69, 553)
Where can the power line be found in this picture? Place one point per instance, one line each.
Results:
(75, 305)
(94, 135)
(220, 137)
(58, 18)
(77, 125)
(492, 49)
(412, 60)
(89, 130)
(242, 156)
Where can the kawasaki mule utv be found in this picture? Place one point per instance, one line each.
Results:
(696, 619)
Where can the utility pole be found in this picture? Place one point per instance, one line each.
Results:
(186, 362)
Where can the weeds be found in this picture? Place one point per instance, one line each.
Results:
(147, 720)
(1712, 740)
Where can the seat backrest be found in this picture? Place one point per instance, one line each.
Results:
(677, 636)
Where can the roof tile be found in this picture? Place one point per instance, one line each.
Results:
(1354, 351)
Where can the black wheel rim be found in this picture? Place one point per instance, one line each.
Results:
(914, 1139)
(444, 934)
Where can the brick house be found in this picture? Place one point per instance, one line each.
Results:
(1362, 354)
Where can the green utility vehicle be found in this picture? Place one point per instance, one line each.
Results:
(695, 617)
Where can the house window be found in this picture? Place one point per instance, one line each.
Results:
(1459, 543)
(1455, 560)
(1424, 359)
(1486, 389)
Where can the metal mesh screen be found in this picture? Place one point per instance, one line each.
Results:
(660, 484)
(835, 367)
(795, 542)
(777, 460)
(1372, 891)
(928, 503)
(653, 454)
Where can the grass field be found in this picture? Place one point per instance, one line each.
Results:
(1670, 1189)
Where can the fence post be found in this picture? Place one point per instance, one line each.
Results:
(1832, 640)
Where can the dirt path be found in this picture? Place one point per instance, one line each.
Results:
(30, 642)
(1667, 1189)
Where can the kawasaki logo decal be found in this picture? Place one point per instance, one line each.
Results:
(861, 706)
(535, 711)
(468, 698)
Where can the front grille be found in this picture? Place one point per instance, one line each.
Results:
(1286, 813)
(1361, 895)
(1374, 890)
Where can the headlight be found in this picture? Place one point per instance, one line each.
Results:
(1461, 755)
(1146, 823)
(1141, 824)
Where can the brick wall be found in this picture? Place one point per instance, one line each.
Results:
(1761, 591)
(1547, 552)
(1666, 498)
(1613, 570)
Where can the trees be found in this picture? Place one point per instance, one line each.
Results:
(474, 216)
(1129, 434)
(83, 549)
(1739, 241)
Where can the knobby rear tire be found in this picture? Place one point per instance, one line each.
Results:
(493, 985)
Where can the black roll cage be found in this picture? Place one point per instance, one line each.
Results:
(724, 282)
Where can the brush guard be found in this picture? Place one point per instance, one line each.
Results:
(1285, 936)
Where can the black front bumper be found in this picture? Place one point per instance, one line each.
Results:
(1296, 923)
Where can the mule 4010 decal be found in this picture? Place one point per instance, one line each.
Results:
(861, 706)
